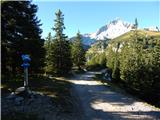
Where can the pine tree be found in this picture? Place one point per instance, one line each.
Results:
(78, 52)
(21, 34)
(48, 56)
(115, 70)
(61, 51)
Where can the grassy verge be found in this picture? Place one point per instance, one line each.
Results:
(57, 89)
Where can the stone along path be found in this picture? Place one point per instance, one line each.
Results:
(99, 102)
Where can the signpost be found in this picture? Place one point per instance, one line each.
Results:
(25, 65)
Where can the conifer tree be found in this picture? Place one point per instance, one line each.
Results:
(115, 71)
(48, 57)
(78, 52)
(21, 34)
(61, 51)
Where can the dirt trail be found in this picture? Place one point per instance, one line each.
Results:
(98, 102)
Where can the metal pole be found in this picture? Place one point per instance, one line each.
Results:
(26, 79)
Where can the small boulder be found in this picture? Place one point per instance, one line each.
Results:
(20, 90)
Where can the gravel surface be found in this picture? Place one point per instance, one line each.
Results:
(89, 100)
(99, 102)
(37, 104)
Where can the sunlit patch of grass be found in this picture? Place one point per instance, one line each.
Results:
(141, 33)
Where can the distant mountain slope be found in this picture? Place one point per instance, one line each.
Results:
(111, 30)
(141, 33)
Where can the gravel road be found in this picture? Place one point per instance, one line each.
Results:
(99, 102)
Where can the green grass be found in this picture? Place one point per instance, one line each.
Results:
(58, 88)
(141, 33)
(36, 83)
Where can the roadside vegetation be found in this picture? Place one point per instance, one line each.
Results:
(133, 60)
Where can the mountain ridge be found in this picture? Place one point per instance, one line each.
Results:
(111, 30)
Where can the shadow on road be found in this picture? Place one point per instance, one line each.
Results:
(83, 98)
(99, 102)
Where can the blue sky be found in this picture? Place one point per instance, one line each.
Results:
(87, 17)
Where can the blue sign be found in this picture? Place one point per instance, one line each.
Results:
(25, 59)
